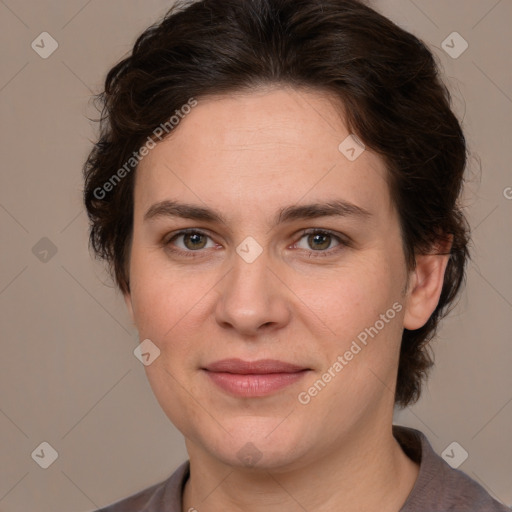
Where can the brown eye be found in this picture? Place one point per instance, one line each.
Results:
(194, 241)
(187, 242)
(319, 241)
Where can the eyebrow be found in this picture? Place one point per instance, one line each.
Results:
(336, 208)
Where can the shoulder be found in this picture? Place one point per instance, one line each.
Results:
(439, 487)
(164, 496)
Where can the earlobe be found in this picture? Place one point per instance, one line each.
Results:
(425, 286)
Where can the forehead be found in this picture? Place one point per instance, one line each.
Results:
(259, 150)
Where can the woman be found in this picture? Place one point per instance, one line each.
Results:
(275, 188)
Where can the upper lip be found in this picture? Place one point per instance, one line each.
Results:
(261, 366)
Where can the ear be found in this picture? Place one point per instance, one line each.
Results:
(425, 286)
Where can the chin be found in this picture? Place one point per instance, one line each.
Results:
(255, 457)
(255, 443)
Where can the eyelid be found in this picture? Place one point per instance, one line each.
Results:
(166, 241)
(342, 240)
(185, 231)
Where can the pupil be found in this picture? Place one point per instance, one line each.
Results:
(318, 237)
(194, 241)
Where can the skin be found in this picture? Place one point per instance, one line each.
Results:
(247, 156)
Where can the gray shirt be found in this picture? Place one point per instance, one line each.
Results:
(438, 488)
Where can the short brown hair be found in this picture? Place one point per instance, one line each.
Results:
(385, 77)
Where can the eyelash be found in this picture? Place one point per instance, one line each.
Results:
(342, 243)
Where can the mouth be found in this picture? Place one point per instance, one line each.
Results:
(253, 378)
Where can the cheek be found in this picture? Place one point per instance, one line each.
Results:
(162, 305)
(351, 298)
(173, 308)
(157, 297)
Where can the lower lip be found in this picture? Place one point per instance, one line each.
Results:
(254, 385)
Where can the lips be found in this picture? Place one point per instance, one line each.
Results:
(263, 366)
(253, 378)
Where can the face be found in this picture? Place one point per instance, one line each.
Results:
(257, 241)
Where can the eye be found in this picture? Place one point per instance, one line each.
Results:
(319, 241)
(191, 241)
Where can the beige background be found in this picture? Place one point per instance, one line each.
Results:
(67, 372)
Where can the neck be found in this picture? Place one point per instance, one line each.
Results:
(366, 471)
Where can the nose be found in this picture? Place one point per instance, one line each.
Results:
(252, 300)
